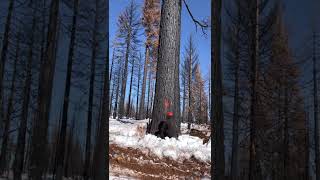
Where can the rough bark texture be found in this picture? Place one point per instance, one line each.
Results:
(218, 169)
(60, 154)
(149, 91)
(4, 52)
(254, 85)
(7, 121)
(101, 154)
(315, 110)
(167, 67)
(39, 139)
(236, 105)
(94, 45)
(21, 141)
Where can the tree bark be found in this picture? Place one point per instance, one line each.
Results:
(189, 87)
(94, 45)
(149, 92)
(113, 84)
(115, 109)
(39, 140)
(167, 67)
(217, 108)
(5, 136)
(236, 105)
(184, 99)
(101, 153)
(69, 149)
(4, 52)
(315, 110)
(125, 75)
(254, 83)
(286, 136)
(130, 90)
(60, 154)
(21, 141)
(138, 90)
(144, 83)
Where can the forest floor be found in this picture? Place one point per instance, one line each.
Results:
(135, 155)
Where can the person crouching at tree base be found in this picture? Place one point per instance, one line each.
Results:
(163, 126)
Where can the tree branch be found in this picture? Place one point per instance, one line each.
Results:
(197, 23)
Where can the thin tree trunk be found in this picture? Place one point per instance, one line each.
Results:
(168, 67)
(315, 110)
(21, 141)
(217, 108)
(113, 84)
(307, 147)
(254, 83)
(102, 164)
(190, 90)
(210, 112)
(138, 89)
(125, 76)
(184, 100)
(112, 96)
(115, 110)
(4, 52)
(39, 141)
(5, 136)
(130, 90)
(69, 146)
(236, 105)
(63, 131)
(144, 83)
(286, 136)
(86, 174)
(149, 91)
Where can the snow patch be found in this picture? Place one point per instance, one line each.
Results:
(131, 133)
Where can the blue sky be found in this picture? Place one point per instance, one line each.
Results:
(200, 10)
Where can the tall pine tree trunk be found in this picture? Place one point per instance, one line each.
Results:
(21, 141)
(130, 90)
(113, 84)
(216, 73)
(125, 75)
(138, 91)
(39, 140)
(167, 67)
(144, 84)
(94, 47)
(101, 150)
(315, 110)
(286, 136)
(254, 83)
(307, 146)
(69, 149)
(236, 105)
(7, 122)
(149, 92)
(184, 98)
(4, 53)
(190, 90)
(63, 131)
(115, 109)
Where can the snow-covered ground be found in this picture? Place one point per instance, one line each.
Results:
(131, 133)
